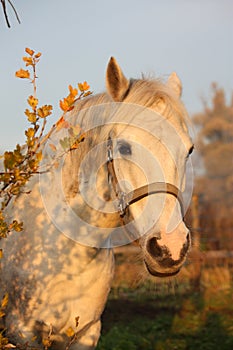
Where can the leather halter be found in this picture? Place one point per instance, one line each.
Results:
(126, 199)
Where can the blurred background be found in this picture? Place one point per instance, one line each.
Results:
(195, 39)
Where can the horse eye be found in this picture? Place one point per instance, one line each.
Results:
(191, 150)
(125, 149)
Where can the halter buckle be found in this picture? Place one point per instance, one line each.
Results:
(122, 204)
(109, 149)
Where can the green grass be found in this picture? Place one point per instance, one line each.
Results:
(176, 321)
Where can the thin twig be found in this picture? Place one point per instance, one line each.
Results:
(23, 173)
(16, 14)
(72, 340)
(5, 12)
(40, 140)
(34, 81)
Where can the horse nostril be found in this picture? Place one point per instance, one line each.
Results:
(186, 246)
(153, 248)
(188, 240)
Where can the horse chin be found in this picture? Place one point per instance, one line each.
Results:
(160, 274)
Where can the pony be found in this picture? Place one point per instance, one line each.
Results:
(121, 182)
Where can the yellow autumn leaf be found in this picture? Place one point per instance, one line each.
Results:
(74, 146)
(62, 123)
(23, 74)
(34, 338)
(29, 51)
(80, 86)
(70, 332)
(32, 101)
(16, 226)
(44, 111)
(31, 116)
(4, 301)
(86, 86)
(87, 93)
(30, 133)
(47, 343)
(28, 61)
(39, 156)
(38, 55)
(73, 91)
(75, 129)
(66, 104)
(83, 86)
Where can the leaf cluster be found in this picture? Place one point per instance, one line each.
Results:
(24, 161)
(21, 163)
(72, 141)
(75, 134)
(67, 104)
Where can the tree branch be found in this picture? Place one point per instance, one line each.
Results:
(5, 12)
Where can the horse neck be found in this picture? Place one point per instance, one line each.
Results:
(41, 232)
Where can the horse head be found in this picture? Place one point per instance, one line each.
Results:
(129, 171)
(149, 152)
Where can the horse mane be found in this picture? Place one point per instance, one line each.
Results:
(146, 92)
(149, 91)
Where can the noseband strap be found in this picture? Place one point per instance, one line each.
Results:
(126, 199)
(153, 188)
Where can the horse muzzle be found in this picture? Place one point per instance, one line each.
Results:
(159, 257)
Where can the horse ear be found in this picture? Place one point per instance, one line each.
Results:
(117, 84)
(175, 84)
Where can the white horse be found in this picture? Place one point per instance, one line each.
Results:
(128, 173)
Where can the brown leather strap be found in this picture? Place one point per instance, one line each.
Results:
(153, 188)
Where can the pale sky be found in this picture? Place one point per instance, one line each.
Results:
(77, 38)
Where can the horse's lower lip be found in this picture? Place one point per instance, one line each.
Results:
(161, 274)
